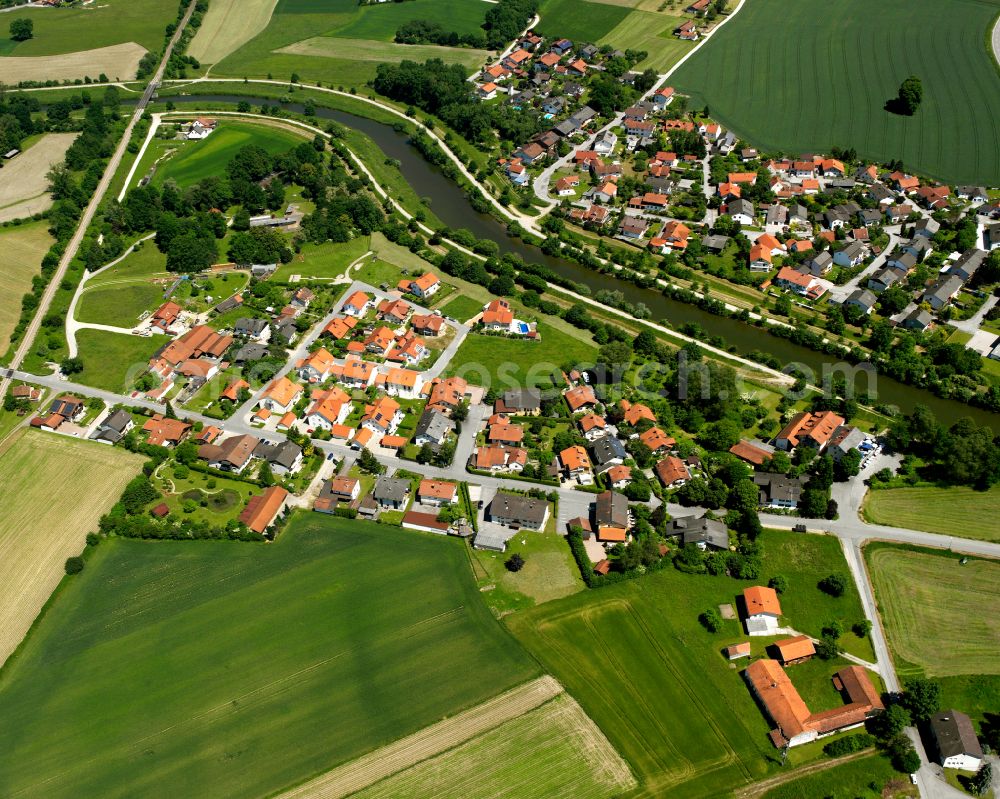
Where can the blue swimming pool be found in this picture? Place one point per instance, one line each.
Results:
(523, 329)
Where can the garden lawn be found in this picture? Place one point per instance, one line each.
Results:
(549, 572)
(223, 502)
(228, 669)
(504, 363)
(68, 30)
(956, 510)
(462, 308)
(804, 560)
(142, 264)
(23, 248)
(37, 531)
(112, 361)
(941, 619)
(640, 664)
(325, 261)
(838, 75)
(208, 158)
(118, 305)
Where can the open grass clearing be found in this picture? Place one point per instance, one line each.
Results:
(242, 669)
(462, 308)
(38, 531)
(118, 305)
(224, 498)
(23, 185)
(113, 361)
(63, 31)
(227, 26)
(552, 752)
(324, 261)
(23, 248)
(955, 510)
(940, 615)
(378, 51)
(844, 71)
(117, 61)
(850, 780)
(196, 160)
(549, 572)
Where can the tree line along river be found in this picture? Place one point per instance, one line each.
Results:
(451, 205)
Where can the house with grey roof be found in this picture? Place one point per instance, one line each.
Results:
(991, 237)
(976, 195)
(717, 243)
(942, 292)
(967, 265)
(926, 227)
(114, 427)
(285, 457)
(956, 742)
(777, 215)
(611, 510)
(868, 216)
(851, 255)
(883, 279)
(798, 214)
(917, 319)
(918, 247)
(391, 492)
(518, 511)
(249, 352)
(608, 450)
(779, 490)
(741, 210)
(433, 428)
(701, 531)
(520, 402)
(845, 438)
(819, 264)
(901, 261)
(863, 299)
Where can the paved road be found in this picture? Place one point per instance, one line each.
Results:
(95, 201)
(971, 325)
(841, 293)
(995, 40)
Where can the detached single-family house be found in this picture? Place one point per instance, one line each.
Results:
(942, 292)
(850, 256)
(956, 741)
(391, 493)
(437, 493)
(741, 211)
(280, 395)
(762, 610)
(434, 428)
(357, 304)
(672, 471)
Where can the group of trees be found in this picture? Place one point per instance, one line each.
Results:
(423, 31)
(16, 122)
(505, 20)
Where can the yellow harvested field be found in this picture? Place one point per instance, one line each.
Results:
(552, 752)
(56, 488)
(22, 180)
(228, 25)
(372, 50)
(118, 62)
(23, 248)
(939, 615)
(428, 742)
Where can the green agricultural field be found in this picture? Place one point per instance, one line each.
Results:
(23, 248)
(804, 560)
(942, 619)
(551, 751)
(197, 160)
(579, 20)
(851, 780)
(549, 572)
(112, 361)
(956, 510)
(341, 43)
(826, 85)
(225, 669)
(508, 362)
(653, 32)
(324, 261)
(655, 681)
(68, 30)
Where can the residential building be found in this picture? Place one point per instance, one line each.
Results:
(317, 367)
(810, 429)
(357, 305)
(427, 285)
(446, 394)
(701, 531)
(253, 329)
(434, 428)
(114, 427)
(574, 461)
(382, 416)
(284, 457)
(762, 610)
(611, 517)
(956, 741)
(280, 395)
(520, 402)
(779, 490)
(608, 450)
(262, 509)
(164, 432)
(942, 292)
(437, 492)
(391, 493)
(580, 398)
(517, 511)
(672, 471)
(231, 455)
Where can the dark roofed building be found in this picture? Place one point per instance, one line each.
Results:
(779, 490)
(700, 530)
(957, 744)
(284, 457)
(514, 510)
(520, 402)
(391, 492)
(608, 449)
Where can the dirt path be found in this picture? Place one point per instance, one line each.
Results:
(427, 743)
(762, 787)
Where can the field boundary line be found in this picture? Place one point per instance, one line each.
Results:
(429, 742)
(761, 787)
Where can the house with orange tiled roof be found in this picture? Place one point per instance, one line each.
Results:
(232, 391)
(502, 433)
(340, 327)
(164, 432)
(575, 461)
(408, 348)
(262, 510)
(760, 259)
(382, 416)
(797, 649)
(674, 236)
(355, 372)
(672, 471)
(799, 282)
(581, 398)
(164, 317)
(762, 610)
(280, 395)
(380, 340)
(810, 429)
(393, 311)
(328, 408)
(399, 382)
(496, 73)
(317, 367)
(200, 341)
(499, 458)
(752, 453)
(357, 304)
(427, 285)
(486, 91)
(437, 492)
(287, 421)
(619, 475)
(636, 412)
(497, 315)
(429, 325)
(657, 440)
(592, 426)
(446, 394)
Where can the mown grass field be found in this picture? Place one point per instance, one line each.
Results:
(222, 669)
(112, 361)
(804, 560)
(325, 261)
(826, 85)
(197, 160)
(360, 37)
(23, 248)
(551, 752)
(24, 188)
(579, 20)
(956, 510)
(941, 619)
(653, 32)
(462, 308)
(118, 305)
(227, 26)
(67, 30)
(851, 780)
(37, 531)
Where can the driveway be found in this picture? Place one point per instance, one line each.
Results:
(840, 293)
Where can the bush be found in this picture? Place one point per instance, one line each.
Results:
(779, 583)
(93, 539)
(74, 565)
(827, 648)
(833, 584)
(711, 620)
(862, 628)
(849, 744)
(514, 563)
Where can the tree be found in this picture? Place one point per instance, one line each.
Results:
(74, 565)
(890, 723)
(514, 563)
(827, 648)
(779, 583)
(903, 756)
(22, 29)
(862, 629)
(71, 366)
(833, 584)
(265, 474)
(922, 697)
(906, 102)
(711, 620)
(369, 463)
(979, 784)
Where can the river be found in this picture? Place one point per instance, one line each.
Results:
(450, 205)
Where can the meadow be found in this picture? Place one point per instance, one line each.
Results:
(112, 361)
(24, 189)
(579, 20)
(197, 160)
(23, 248)
(227, 26)
(851, 780)
(360, 37)
(119, 305)
(826, 85)
(955, 510)
(323, 261)
(37, 534)
(242, 669)
(652, 32)
(942, 619)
